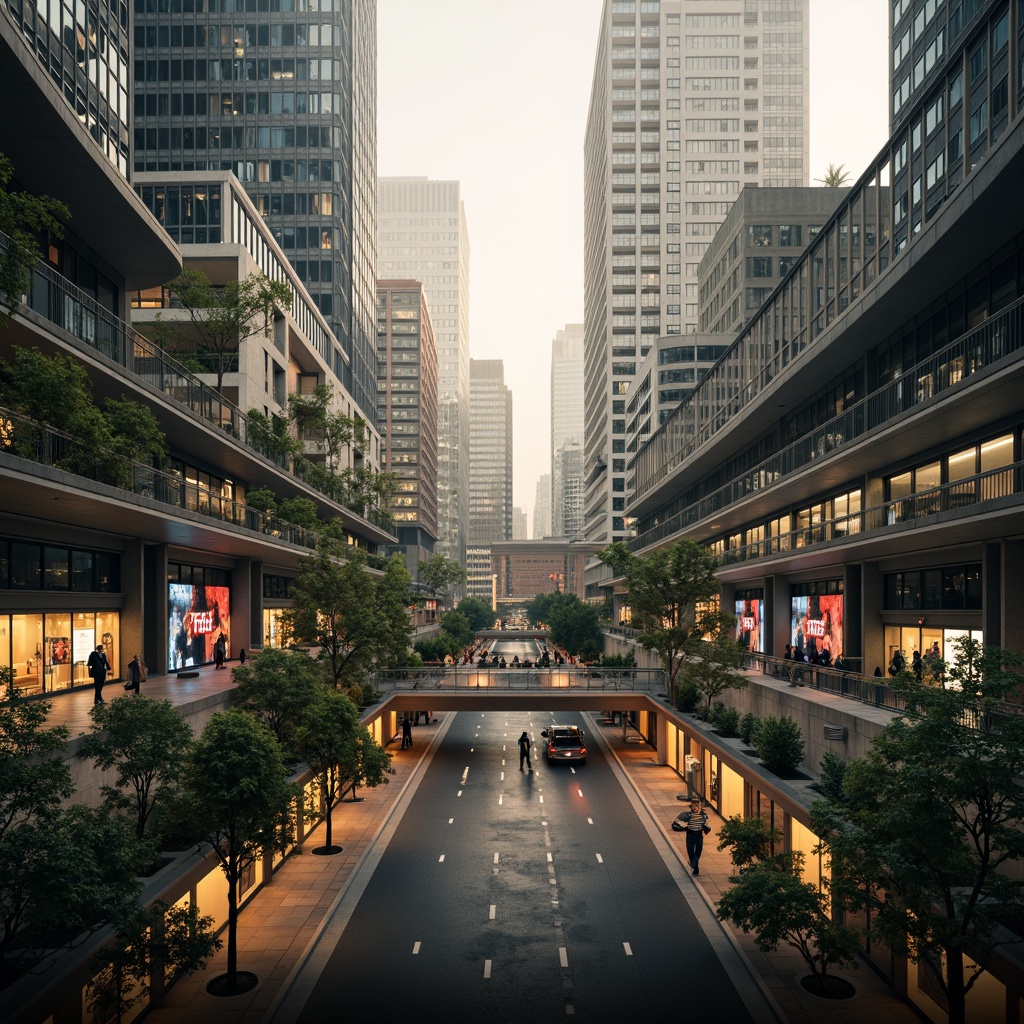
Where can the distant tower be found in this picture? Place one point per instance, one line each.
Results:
(519, 530)
(566, 418)
(542, 508)
(407, 409)
(422, 234)
(690, 102)
(490, 469)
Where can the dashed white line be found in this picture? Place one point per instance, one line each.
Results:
(487, 969)
(541, 799)
(580, 791)
(496, 856)
(491, 912)
(563, 958)
(600, 859)
(415, 948)
(450, 820)
(460, 794)
(628, 948)
(465, 775)
(501, 799)
(590, 821)
(440, 860)
(502, 776)
(549, 858)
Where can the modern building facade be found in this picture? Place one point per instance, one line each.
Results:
(524, 569)
(569, 495)
(422, 234)
(755, 248)
(853, 458)
(142, 557)
(566, 416)
(407, 408)
(285, 97)
(542, 507)
(490, 469)
(520, 530)
(690, 102)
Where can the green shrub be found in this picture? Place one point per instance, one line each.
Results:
(725, 721)
(833, 771)
(779, 743)
(748, 725)
(688, 697)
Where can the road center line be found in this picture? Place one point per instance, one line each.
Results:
(590, 821)
(487, 969)
(415, 948)
(628, 948)
(450, 820)
(563, 958)
(549, 858)
(600, 859)
(496, 856)
(440, 860)
(491, 912)
(465, 775)
(580, 791)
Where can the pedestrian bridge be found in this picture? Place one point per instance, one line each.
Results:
(512, 635)
(565, 687)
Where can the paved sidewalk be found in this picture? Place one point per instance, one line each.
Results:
(278, 926)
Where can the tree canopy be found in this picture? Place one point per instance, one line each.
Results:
(441, 574)
(219, 317)
(835, 176)
(927, 826)
(478, 613)
(665, 589)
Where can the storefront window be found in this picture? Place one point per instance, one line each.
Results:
(27, 653)
(81, 570)
(26, 569)
(56, 566)
(57, 653)
(275, 632)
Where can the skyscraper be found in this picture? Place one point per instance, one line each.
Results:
(421, 234)
(690, 101)
(490, 469)
(407, 406)
(566, 416)
(542, 508)
(285, 97)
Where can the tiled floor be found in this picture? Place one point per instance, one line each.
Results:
(276, 930)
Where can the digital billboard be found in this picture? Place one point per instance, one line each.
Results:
(198, 615)
(817, 624)
(749, 618)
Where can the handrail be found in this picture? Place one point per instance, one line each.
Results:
(66, 306)
(431, 679)
(43, 445)
(999, 336)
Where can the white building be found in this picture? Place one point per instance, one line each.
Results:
(542, 508)
(690, 102)
(422, 234)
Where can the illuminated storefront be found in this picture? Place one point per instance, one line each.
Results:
(199, 614)
(816, 617)
(750, 619)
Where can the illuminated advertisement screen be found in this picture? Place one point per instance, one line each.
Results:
(749, 617)
(816, 624)
(197, 617)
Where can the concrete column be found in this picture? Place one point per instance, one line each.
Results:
(133, 586)
(156, 612)
(997, 607)
(661, 728)
(1012, 631)
(768, 626)
(246, 601)
(853, 612)
(872, 627)
(780, 601)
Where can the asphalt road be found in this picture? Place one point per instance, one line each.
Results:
(521, 897)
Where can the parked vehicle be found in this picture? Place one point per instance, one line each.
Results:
(565, 743)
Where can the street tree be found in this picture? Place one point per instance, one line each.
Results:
(769, 897)
(392, 599)
(277, 687)
(154, 942)
(479, 613)
(665, 589)
(575, 628)
(272, 435)
(234, 799)
(323, 739)
(455, 625)
(145, 741)
(23, 216)
(363, 762)
(717, 656)
(441, 574)
(219, 318)
(927, 829)
(335, 611)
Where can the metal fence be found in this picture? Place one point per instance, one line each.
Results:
(487, 677)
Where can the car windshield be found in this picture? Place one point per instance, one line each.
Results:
(567, 740)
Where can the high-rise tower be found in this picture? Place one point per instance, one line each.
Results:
(285, 97)
(566, 424)
(421, 234)
(691, 100)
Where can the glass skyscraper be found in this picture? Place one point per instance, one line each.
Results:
(285, 97)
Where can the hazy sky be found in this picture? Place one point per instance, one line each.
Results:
(494, 93)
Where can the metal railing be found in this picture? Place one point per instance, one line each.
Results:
(999, 336)
(63, 304)
(43, 445)
(432, 679)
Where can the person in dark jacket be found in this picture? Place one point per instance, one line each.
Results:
(134, 675)
(98, 667)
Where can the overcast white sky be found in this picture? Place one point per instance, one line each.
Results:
(494, 93)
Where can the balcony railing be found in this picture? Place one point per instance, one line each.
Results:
(43, 445)
(552, 680)
(58, 301)
(999, 336)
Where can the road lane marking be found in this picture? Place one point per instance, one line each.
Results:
(563, 958)
(450, 820)
(541, 799)
(487, 969)
(465, 775)
(501, 799)
(460, 794)
(549, 858)
(415, 949)
(580, 791)
(502, 777)
(440, 860)
(600, 859)
(628, 948)
(490, 913)
(496, 856)
(590, 821)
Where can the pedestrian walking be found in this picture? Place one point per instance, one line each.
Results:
(406, 732)
(524, 752)
(695, 821)
(98, 667)
(136, 675)
(241, 656)
(220, 650)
